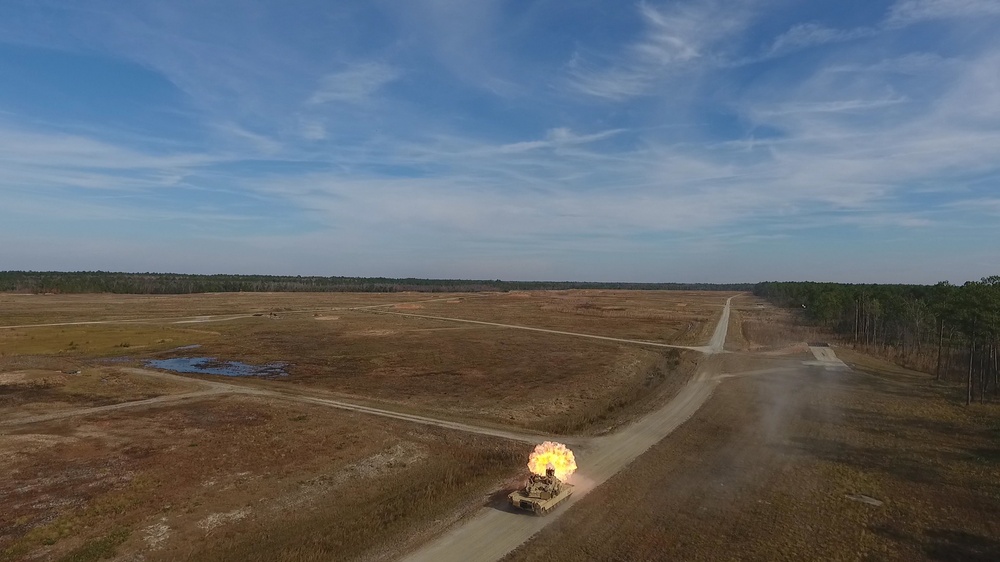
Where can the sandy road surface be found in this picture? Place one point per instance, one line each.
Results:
(492, 532)
(718, 341)
(826, 357)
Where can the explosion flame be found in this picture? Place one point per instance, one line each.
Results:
(555, 455)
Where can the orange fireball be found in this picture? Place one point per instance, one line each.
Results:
(554, 455)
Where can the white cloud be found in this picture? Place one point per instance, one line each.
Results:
(812, 34)
(355, 84)
(674, 37)
(836, 106)
(842, 144)
(59, 150)
(558, 137)
(901, 14)
(907, 12)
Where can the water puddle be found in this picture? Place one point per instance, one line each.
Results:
(212, 366)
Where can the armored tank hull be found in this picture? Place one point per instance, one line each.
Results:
(537, 505)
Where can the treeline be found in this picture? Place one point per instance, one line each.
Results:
(953, 331)
(171, 283)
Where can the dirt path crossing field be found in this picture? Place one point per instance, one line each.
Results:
(494, 532)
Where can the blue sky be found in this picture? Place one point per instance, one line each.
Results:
(708, 140)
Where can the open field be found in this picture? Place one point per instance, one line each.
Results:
(494, 375)
(676, 317)
(215, 473)
(780, 447)
(31, 309)
(235, 478)
(32, 392)
(773, 466)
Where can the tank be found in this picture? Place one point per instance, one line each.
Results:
(541, 493)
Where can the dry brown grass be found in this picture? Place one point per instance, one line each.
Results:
(236, 478)
(31, 309)
(681, 317)
(28, 392)
(490, 375)
(764, 471)
(498, 376)
(756, 325)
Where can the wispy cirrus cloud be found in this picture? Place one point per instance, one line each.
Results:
(452, 138)
(674, 37)
(20, 148)
(901, 14)
(906, 12)
(355, 84)
(558, 137)
(810, 34)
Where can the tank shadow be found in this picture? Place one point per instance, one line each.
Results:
(498, 500)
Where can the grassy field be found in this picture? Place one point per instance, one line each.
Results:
(31, 309)
(30, 392)
(498, 376)
(232, 477)
(756, 325)
(773, 468)
(235, 478)
(677, 317)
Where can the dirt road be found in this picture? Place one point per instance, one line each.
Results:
(135, 404)
(493, 532)
(703, 349)
(216, 388)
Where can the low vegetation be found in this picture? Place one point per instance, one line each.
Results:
(878, 464)
(235, 479)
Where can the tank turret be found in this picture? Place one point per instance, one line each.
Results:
(541, 493)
